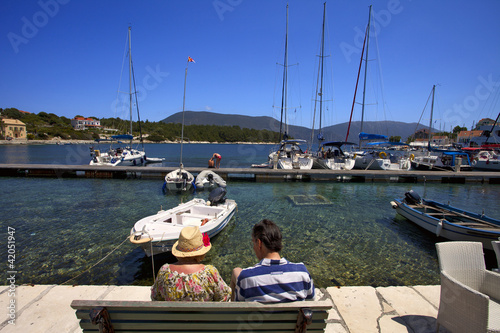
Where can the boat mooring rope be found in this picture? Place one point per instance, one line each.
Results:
(97, 263)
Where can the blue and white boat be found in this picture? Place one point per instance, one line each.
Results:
(448, 222)
(157, 233)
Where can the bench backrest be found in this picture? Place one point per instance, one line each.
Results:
(145, 316)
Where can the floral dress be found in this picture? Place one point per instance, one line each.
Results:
(203, 286)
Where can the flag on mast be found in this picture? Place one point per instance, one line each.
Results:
(191, 60)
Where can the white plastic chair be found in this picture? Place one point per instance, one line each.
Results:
(470, 294)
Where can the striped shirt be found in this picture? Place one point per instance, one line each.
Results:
(273, 281)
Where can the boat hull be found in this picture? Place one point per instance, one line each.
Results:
(446, 229)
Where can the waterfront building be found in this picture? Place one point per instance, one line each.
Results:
(81, 123)
(12, 129)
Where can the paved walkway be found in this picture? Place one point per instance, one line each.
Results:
(46, 308)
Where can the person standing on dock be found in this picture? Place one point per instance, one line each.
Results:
(217, 157)
(273, 279)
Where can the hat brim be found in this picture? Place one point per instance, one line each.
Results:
(200, 252)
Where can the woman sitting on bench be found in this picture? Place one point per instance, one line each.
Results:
(188, 279)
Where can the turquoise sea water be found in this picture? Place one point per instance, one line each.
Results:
(65, 226)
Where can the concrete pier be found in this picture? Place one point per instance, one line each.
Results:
(251, 174)
(46, 308)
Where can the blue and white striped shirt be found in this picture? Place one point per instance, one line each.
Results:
(273, 281)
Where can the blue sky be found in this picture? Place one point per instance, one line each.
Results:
(65, 57)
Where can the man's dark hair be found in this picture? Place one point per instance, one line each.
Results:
(269, 234)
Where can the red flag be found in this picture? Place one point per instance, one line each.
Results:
(191, 60)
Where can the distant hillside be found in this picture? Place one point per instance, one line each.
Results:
(331, 133)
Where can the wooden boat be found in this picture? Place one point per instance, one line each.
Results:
(447, 221)
(157, 233)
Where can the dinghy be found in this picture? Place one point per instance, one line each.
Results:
(447, 221)
(157, 233)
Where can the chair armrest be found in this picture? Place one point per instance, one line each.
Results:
(461, 308)
(491, 285)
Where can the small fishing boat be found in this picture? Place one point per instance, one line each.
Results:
(448, 222)
(179, 180)
(209, 180)
(157, 233)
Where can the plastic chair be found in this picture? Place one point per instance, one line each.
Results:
(470, 294)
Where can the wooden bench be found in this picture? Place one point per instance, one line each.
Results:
(148, 316)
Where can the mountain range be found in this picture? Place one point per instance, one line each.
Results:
(331, 133)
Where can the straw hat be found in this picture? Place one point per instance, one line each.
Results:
(191, 243)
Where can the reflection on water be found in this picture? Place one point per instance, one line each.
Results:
(65, 226)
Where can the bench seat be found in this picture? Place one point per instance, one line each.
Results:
(149, 316)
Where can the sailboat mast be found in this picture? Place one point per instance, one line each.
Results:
(285, 79)
(432, 112)
(130, 76)
(322, 55)
(366, 69)
(492, 128)
(183, 108)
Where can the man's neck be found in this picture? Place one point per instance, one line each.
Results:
(273, 256)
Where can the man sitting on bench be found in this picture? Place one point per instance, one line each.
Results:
(273, 279)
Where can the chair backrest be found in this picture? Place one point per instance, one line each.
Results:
(462, 260)
(496, 248)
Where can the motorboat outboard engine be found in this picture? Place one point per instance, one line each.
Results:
(217, 196)
(412, 198)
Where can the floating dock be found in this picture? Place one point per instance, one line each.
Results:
(265, 175)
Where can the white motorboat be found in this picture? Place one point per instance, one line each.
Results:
(178, 180)
(444, 160)
(290, 156)
(126, 156)
(157, 233)
(447, 221)
(208, 180)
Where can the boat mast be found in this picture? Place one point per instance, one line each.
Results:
(492, 128)
(432, 112)
(284, 88)
(322, 57)
(184, 107)
(130, 78)
(366, 69)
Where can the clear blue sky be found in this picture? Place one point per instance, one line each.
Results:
(65, 57)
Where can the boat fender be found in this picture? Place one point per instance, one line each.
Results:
(488, 161)
(134, 162)
(382, 154)
(439, 227)
(394, 204)
(113, 160)
(412, 157)
(354, 157)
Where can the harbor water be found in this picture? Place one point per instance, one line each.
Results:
(346, 233)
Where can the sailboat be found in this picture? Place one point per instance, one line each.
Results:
(440, 159)
(329, 154)
(289, 154)
(180, 179)
(126, 156)
(373, 159)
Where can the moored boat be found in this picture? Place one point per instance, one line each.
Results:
(157, 233)
(208, 180)
(446, 221)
